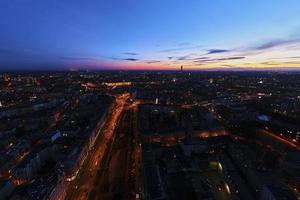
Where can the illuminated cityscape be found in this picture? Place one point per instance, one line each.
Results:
(149, 100)
(150, 135)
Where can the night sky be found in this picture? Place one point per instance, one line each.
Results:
(149, 34)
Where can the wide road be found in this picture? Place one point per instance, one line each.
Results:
(280, 139)
(80, 188)
(119, 174)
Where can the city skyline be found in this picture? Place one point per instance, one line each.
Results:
(144, 35)
(149, 135)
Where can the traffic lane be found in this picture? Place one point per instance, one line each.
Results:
(85, 179)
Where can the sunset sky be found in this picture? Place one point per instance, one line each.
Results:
(149, 34)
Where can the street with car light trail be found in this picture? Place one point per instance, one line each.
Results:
(81, 187)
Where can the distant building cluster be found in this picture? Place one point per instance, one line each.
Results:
(165, 135)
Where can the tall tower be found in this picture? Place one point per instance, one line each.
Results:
(181, 68)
